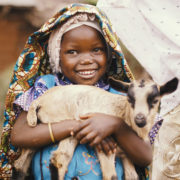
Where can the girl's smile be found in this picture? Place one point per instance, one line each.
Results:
(83, 57)
(87, 74)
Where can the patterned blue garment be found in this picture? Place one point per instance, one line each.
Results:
(84, 164)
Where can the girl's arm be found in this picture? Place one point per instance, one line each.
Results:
(25, 136)
(139, 151)
(22, 135)
(98, 126)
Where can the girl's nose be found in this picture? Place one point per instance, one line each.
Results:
(86, 59)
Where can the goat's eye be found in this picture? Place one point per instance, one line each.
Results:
(155, 101)
(151, 102)
(130, 96)
(131, 100)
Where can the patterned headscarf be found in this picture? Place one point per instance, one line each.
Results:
(34, 61)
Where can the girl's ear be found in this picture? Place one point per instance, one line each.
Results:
(169, 87)
(118, 85)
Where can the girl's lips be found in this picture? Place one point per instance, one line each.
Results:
(87, 74)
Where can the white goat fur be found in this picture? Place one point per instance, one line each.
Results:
(68, 102)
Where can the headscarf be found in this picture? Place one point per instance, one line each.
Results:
(34, 61)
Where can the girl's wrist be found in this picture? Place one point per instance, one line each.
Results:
(63, 129)
(51, 133)
(118, 125)
(73, 124)
(120, 128)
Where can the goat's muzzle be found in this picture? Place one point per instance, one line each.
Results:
(140, 120)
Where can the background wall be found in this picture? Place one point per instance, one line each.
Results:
(14, 30)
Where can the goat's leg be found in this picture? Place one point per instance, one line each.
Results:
(107, 163)
(63, 155)
(129, 169)
(22, 164)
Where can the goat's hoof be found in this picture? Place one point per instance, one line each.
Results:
(18, 175)
(114, 178)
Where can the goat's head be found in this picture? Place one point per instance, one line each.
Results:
(144, 97)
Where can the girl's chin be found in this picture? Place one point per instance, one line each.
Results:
(86, 81)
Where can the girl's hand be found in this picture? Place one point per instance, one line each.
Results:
(107, 145)
(95, 128)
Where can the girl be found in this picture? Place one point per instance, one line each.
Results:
(76, 46)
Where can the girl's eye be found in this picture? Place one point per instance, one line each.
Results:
(98, 49)
(71, 52)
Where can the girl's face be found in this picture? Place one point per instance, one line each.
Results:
(83, 55)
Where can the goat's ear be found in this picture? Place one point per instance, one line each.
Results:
(118, 85)
(169, 87)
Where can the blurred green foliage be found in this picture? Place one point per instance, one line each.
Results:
(93, 2)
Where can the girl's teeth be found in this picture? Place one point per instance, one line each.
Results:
(86, 72)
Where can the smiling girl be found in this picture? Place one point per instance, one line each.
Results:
(81, 48)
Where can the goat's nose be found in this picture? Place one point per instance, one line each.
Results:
(140, 120)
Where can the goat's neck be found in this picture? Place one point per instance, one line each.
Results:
(119, 104)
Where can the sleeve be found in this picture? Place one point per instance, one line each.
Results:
(116, 92)
(42, 84)
(155, 129)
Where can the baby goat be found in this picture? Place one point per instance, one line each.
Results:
(138, 109)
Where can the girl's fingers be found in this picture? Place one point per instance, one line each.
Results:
(106, 147)
(88, 138)
(99, 148)
(83, 124)
(112, 144)
(82, 133)
(85, 116)
(96, 141)
(79, 127)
